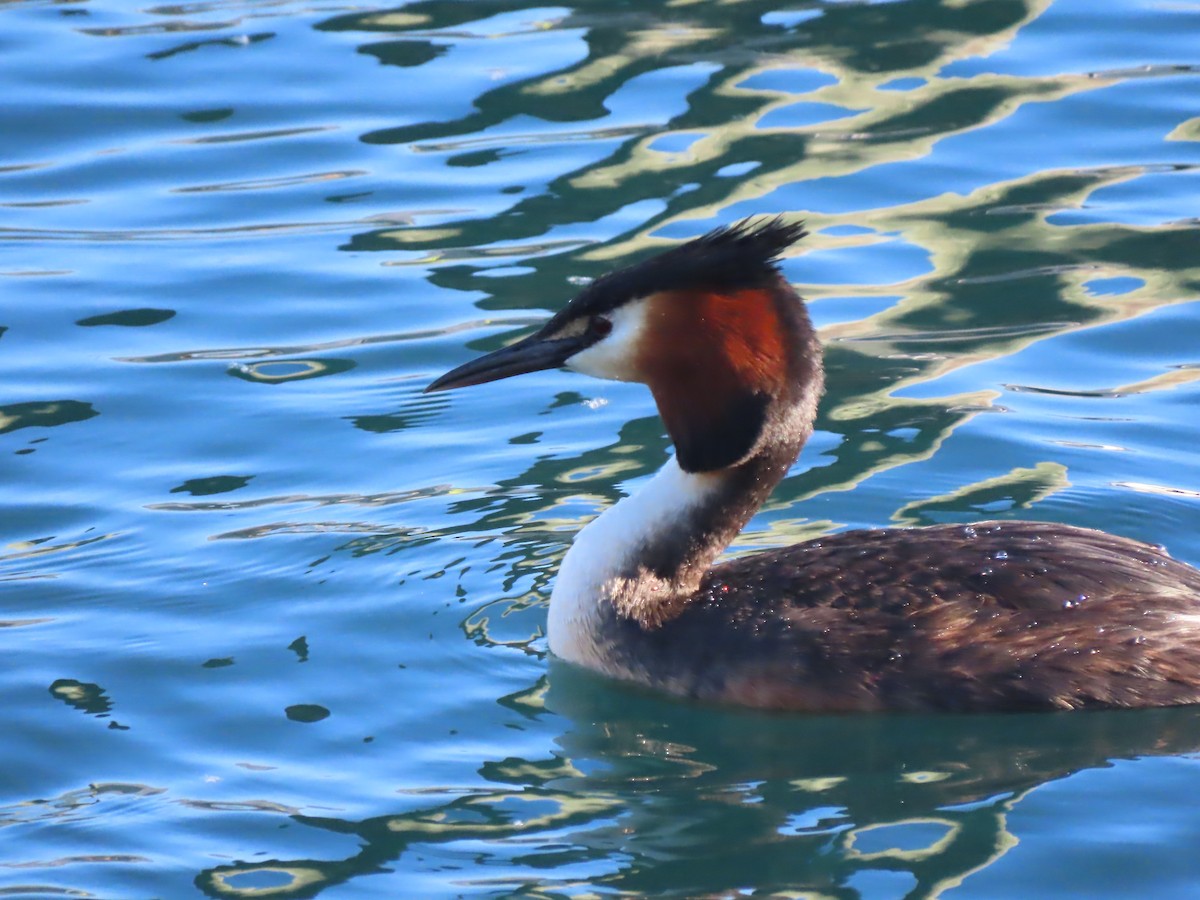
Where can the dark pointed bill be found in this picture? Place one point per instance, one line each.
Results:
(531, 354)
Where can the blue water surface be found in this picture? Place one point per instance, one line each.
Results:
(273, 619)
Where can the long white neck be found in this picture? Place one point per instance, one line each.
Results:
(643, 559)
(610, 550)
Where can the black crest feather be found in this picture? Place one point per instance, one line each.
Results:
(729, 258)
(736, 254)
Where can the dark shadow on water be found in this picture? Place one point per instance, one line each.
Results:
(44, 414)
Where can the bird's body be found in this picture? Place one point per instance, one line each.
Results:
(995, 615)
(991, 616)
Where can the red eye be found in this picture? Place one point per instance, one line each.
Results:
(600, 326)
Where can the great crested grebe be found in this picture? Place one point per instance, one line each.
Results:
(990, 616)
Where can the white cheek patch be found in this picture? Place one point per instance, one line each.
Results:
(615, 356)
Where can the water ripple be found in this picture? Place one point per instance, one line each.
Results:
(137, 235)
(962, 334)
(171, 27)
(266, 134)
(265, 184)
(389, 498)
(301, 349)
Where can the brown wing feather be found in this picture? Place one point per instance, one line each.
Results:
(997, 615)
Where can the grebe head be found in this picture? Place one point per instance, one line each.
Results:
(711, 326)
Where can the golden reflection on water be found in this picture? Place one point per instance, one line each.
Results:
(247, 881)
(845, 147)
(1020, 488)
(1186, 131)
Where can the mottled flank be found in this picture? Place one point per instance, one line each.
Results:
(992, 616)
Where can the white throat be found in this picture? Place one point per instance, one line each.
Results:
(601, 554)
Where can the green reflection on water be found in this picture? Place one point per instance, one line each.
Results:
(666, 800)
